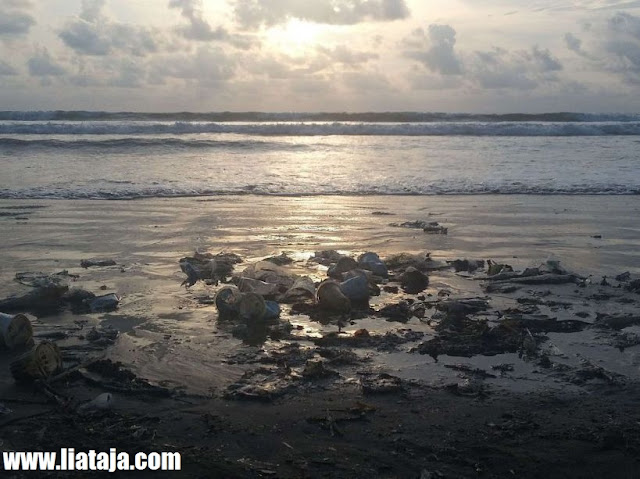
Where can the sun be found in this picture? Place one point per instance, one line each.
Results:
(295, 36)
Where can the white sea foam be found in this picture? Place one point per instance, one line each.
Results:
(438, 128)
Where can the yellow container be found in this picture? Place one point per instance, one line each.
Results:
(40, 362)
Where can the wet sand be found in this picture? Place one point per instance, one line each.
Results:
(439, 421)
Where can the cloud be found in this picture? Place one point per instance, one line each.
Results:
(435, 49)
(198, 29)
(366, 81)
(91, 33)
(544, 60)
(15, 18)
(612, 46)
(500, 69)
(623, 42)
(42, 65)
(91, 10)
(346, 56)
(208, 66)
(518, 69)
(573, 43)
(497, 68)
(256, 13)
(6, 69)
(129, 74)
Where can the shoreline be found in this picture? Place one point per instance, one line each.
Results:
(452, 416)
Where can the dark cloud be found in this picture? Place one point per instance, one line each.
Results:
(256, 13)
(42, 65)
(544, 60)
(15, 18)
(435, 49)
(6, 69)
(573, 43)
(93, 34)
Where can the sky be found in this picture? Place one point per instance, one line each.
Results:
(320, 55)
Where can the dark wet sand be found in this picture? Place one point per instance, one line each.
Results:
(525, 424)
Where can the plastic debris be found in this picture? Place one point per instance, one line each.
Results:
(88, 263)
(356, 289)
(303, 288)
(280, 260)
(252, 307)
(15, 331)
(344, 264)
(269, 273)
(101, 403)
(40, 362)
(208, 267)
(250, 285)
(228, 302)
(330, 297)
(104, 304)
(272, 310)
(413, 281)
(372, 262)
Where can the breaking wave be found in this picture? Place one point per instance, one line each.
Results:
(370, 117)
(129, 192)
(297, 128)
(132, 142)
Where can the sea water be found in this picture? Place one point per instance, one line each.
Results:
(134, 155)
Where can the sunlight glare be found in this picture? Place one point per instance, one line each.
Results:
(295, 37)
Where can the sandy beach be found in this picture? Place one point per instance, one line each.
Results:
(564, 409)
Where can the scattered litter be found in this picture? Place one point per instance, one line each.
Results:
(302, 289)
(104, 304)
(381, 384)
(88, 263)
(281, 260)
(102, 402)
(344, 264)
(329, 296)
(413, 281)
(372, 262)
(40, 362)
(356, 289)
(15, 331)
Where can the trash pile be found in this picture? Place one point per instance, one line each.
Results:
(49, 294)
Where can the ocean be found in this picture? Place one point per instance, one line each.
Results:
(102, 155)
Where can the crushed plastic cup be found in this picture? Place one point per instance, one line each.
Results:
(272, 310)
(356, 288)
(250, 285)
(373, 263)
(40, 362)
(103, 304)
(413, 280)
(302, 289)
(15, 331)
(252, 307)
(344, 264)
(102, 402)
(228, 301)
(330, 297)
